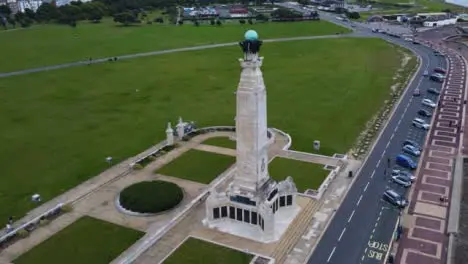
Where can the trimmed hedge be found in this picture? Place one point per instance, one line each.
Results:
(151, 197)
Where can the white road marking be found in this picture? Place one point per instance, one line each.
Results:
(331, 254)
(378, 218)
(388, 143)
(342, 232)
(351, 216)
(372, 175)
(391, 137)
(365, 188)
(378, 163)
(373, 231)
(376, 223)
(360, 198)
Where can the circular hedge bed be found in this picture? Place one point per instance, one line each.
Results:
(151, 197)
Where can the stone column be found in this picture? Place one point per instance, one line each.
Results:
(180, 128)
(169, 135)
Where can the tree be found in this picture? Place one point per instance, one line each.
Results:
(93, 11)
(5, 10)
(11, 21)
(242, 21)
(303, 2)
(261, 17)
(218, 22)
(47, 12)
(354, 15)
(125, 18)
(3, 21)
(196, 23)
(30, 14)
(250, 21)
(212, 22)
(69, 14)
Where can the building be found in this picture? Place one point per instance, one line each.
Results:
(253, 205)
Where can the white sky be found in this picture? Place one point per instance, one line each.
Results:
(458, 2)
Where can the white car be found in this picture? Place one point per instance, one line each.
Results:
(426, 73)
(428, 102)
(408, 39)
(420, 123)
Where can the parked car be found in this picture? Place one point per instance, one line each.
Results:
(436, 53)
(428, 102)
(424, 113)
(436, 78)
(403, 181)
(440, 70)
(426, 73)
(405, 162)
(375, 30)
(395, 198)
(420, 123)
(433, 91)
(412, 150)
(416, 92)
(412, 143)
(440, 75)
(404, 173)
(415, 42)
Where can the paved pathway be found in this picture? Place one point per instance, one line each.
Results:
(160, 52)
(424, 239)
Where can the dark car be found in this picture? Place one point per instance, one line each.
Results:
(436, 78)
(433, 91)
(425, 113)
(440, 70)
(415, 42)
(436, 53)
(395, 198)
(412, 143)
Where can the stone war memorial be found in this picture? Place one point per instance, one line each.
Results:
(254, 205)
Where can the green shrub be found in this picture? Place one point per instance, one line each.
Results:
(22, 233)
(44, 222)
(137, 166)
(67, 208)
(151, 196)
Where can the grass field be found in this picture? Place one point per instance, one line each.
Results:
(197, 251)
(55, 44)
(306, 175)
(88, 240)
(59, 126)
(224, 142)
(198, 166)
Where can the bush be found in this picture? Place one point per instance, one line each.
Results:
(44, 222)
(250, 21)
(218, 22)
(196, 23)
(181, 22)
(354, 15)
(137, 166)
(151, 197)
(212, 22)
(22, 233)
(242, 21)
(67, 208)
(159, 20)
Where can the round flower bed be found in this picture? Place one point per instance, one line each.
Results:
(150, 197)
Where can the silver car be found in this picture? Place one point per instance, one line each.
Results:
(401, 180)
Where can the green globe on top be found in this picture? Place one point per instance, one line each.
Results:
(251, 35)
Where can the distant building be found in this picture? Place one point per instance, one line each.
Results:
(458, 2)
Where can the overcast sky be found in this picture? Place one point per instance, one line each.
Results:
(458, 2)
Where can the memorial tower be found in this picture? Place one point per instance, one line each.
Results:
(254, 205)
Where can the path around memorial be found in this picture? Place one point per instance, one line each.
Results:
(161, 52)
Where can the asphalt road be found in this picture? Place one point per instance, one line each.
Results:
(363, 226)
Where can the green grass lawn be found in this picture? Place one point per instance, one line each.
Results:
(198, 166)
(306, 175)
(58, 127)
(55, 44)
(88, 240)
(196, 251)
(224, 142)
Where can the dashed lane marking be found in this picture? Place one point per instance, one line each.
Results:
(359, 201)
(342, 232)
(365, 188)
(351, 216)
(331, 254)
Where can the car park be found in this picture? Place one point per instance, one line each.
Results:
(412, 143)
(424, 113)
(412, 150)
(401, 180)
(440, 70)
(395, 198)
(428, 102)
(433, 91)
(405, 162)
